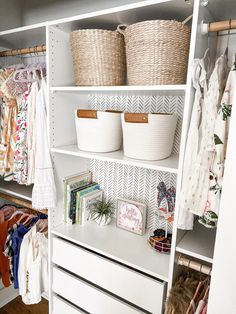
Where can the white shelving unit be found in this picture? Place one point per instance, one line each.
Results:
(17, 190)
(171, 90)
(168, 165)
(25, 36)
(198, 243)
(124, 247)
(116, 245)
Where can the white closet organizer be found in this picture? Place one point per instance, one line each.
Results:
(107, 270)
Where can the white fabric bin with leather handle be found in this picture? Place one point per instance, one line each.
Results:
(98, 131)
(148, 136)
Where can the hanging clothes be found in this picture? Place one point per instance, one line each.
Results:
(196, 189)
(31, 132)
(202, 303)
(18, 251)
(199, 70)
(9, 112)
(33, 266)
(24, 149)
(44, 191)
(4, 261)
(189, 294)
(210, 216)
(20, 156)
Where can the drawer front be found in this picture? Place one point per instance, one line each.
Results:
(87, 296)
(60, 306)
(130, 285)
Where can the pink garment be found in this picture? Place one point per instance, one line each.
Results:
(204, 311)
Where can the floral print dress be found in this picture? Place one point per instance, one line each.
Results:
(20, 156)
(198, 181)
(8, 126)
(210, 216)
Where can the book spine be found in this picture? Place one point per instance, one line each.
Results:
(79, 199)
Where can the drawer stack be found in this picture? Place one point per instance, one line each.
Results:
(98, 285)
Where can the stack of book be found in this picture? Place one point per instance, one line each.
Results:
(80, 193)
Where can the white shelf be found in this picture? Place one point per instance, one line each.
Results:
(168, 165)
(198, 243)
(158, 89)
(128, 14)
(22, 36)
(120, 245)
(17, 190)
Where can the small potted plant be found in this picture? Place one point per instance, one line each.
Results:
(102, 212)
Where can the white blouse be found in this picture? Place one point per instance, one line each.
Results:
(33, 267)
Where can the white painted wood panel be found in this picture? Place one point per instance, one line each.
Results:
(88, 297)
(17, 190)
(115, 278)
(169, 164)
(198, 243)
(222, 293)
(7, 295)
(60, 306)
(120, 245)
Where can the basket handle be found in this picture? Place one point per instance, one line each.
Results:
(121, 28)
(114, 111)
(89, 114)
(136, 117)
(187, 19)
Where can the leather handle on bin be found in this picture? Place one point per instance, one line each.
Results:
(136, 117)
(114, 111)
(91, 114)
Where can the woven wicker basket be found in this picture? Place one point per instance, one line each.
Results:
(156, 52)
(98, 57)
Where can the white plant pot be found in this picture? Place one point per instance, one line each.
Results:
(102, 220)
(98, 131)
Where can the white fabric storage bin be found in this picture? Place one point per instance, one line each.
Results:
(98, 131)
(148, 136)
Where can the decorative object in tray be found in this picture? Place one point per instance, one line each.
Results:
(148, 136)
(101, 212)
(166, 201)
(98, 57)
(131, 216)
(98, 131)
(163, 44)
(78, 191)
(160, 239)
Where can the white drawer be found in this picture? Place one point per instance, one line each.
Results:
(87, 296)
(130, 285)
(60, 306)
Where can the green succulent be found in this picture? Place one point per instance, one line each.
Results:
(101, 208)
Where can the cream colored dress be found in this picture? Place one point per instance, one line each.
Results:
(221, 130)
(44, 190)
(199, 72)
(196, 179)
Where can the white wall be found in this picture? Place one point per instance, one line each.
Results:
(45, 10)
(10, 14)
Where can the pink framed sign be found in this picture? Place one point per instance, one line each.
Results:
(131, 216)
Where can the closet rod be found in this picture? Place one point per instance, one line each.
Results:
(21, 202)
(23, 51)
(184, 261)
(218, 26)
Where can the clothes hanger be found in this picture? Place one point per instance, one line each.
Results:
(41, 224)
(18, 212)
(29, 219)
(22, 217)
